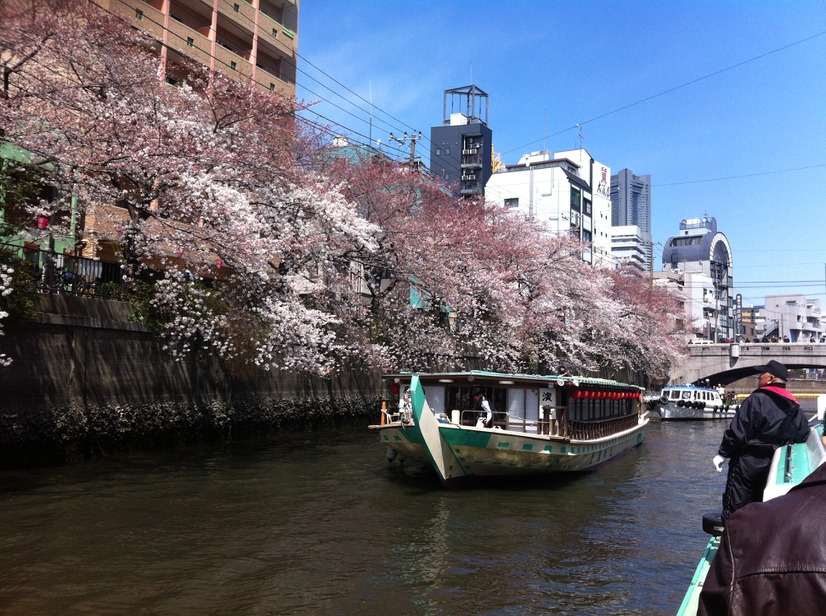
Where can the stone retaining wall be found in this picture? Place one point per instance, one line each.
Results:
(87, 381)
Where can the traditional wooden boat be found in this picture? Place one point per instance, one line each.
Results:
(791, 464)
(542, 424)
(693, 402)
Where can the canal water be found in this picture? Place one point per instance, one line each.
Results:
(321, 524)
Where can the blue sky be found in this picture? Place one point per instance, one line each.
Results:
(722, 103)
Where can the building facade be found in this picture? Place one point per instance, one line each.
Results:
(701, 249)
(568, 191)
(246, 39)
(629, 246)
(790, 318)
(461, 150)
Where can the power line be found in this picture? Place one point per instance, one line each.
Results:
(737, 177)
(578, 125)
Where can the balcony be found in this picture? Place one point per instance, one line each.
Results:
(240, 13)
(272, 33)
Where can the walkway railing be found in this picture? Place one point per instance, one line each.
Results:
(55, 272)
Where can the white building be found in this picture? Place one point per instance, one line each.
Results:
(791, 317)
(699, 248)
(629, 245)
(568, 191)
(696, 294)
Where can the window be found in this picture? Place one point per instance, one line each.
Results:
(576, 199)
(274, 33)
(190, 41)
(587, 207)
(438, 151)
(233, 65)
(272, 87)
(512, 202)
(236, 7)
(138, 14)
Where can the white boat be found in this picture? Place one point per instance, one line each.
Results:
(693, 402)
(791, 464)
(542, 424)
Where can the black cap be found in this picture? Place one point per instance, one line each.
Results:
(775, 368)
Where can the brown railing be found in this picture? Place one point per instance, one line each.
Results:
(589, 430)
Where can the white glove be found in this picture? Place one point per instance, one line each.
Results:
(718, 463)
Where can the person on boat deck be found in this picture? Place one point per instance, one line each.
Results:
(768, 418)
(485, 416)
(772, 556)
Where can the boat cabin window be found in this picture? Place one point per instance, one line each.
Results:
(461, 397)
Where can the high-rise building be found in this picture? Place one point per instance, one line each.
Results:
(246, 39)
(461, 150)
(631, 200)
(631, 205)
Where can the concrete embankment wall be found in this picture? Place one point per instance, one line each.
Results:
(87, 381)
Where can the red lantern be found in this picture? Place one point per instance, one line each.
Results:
(42, 222)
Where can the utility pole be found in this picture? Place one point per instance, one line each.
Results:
(413, 140)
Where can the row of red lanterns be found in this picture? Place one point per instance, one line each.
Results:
(579, 394)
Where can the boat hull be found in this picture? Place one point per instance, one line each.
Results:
(484, 452)
(671, 411)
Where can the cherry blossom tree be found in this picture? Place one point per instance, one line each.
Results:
(190, 180)
(503, 287)
(313, 258)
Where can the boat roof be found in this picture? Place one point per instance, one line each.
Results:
(507, 378)
(690, 386)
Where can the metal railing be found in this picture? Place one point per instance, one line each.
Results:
(55, 272)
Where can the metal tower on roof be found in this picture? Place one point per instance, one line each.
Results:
(470, 101)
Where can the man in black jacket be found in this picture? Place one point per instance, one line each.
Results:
(768, 418)
(772, 556)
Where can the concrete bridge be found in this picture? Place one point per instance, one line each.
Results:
(723, 364)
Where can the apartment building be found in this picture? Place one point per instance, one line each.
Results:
(792, 318)
(247, 39)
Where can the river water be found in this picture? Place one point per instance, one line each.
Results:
(320, 524)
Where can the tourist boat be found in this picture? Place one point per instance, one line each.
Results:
(791, 464)
(694, 402)
(542, 424)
